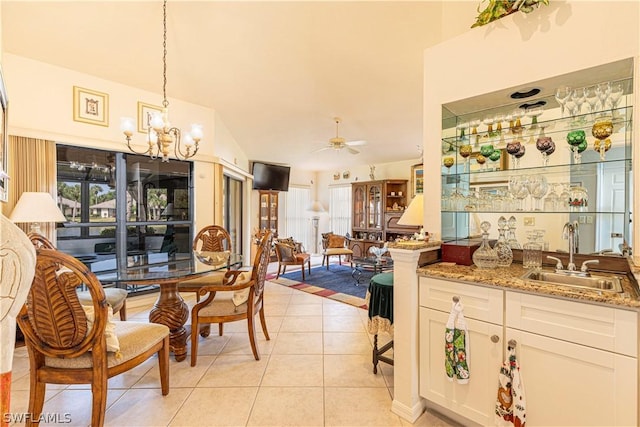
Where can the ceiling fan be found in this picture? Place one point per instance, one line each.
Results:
(338, 143)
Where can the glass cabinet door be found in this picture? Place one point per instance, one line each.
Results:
(374, 202)
(359, 206)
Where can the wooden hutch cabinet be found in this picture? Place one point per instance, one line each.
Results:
(377, 206)
(269, 211)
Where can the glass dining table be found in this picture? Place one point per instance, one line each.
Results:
(166, 271)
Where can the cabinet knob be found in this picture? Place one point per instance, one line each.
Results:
(495, 338)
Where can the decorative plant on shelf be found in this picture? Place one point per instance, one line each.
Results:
(500, 8)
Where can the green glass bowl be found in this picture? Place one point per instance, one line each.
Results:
(576, 137)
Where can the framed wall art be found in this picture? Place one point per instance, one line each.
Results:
(4, 143)
(90, 106)
(144, 113)
(417, 179)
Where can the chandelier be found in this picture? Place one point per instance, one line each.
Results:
(160, 134)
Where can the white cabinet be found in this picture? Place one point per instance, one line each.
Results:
(483, 306)
(578, 361)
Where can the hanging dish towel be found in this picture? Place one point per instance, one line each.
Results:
(457, 345)
(510, 406)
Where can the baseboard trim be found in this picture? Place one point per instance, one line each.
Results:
(408, 413)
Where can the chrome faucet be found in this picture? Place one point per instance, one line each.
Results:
(570, 232)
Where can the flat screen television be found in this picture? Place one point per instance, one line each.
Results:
(270, 177)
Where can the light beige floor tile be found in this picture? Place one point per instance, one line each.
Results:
(301, 297)
(348, 407)
(350, 371)
(298, 343)
(216, 407)
(294, 371)
(234, 371)
(129, 378)
(336, 308)
(239, 344)
(271, 288)
(20, 400)
(288, 406)
(301, 324)
(211, 345)
(304, 309)
(77, 406)
(146, 407)
(181, 374)
(275, 298)
(340, 323)
(275, 309)
(346, 343)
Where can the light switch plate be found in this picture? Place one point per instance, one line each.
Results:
(529, 221)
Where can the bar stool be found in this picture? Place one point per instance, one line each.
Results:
(380, 300)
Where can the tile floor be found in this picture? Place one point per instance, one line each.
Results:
(315, 371)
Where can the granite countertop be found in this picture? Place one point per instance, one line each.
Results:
(510, 278)
(414, 245)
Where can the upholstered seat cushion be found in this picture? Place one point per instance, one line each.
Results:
(135, 338)
(302, 257)
(193, 285)
(115, 297)
(223, 305)
(338, 251)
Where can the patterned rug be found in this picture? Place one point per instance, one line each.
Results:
(337, 284)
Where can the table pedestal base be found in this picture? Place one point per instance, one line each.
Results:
(378, 353)
(172, 311)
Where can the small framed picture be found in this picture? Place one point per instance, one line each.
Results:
(90, 106)
(417, 179)
(144, 115)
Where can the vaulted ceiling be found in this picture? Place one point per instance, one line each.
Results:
(277, 73)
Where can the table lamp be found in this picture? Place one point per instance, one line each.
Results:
(414, 215)
(316, 209)
(34, 208)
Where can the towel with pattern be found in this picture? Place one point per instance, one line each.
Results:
(510, 406)
(457, 345)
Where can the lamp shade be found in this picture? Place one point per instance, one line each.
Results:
(315, 207)
(414, 214)
(36, 207)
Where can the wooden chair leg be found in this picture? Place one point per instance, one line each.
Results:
(278, 275)
(263, 322)
(252, 336)
(123, 310)
(99, 398)
(309, 265)
(302, 272)
(163, 364)
(220, 328)
(194, 340)
(37, 391)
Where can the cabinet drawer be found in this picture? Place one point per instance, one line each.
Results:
(480, 303)
(600, 327)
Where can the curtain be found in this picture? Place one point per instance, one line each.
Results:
(32, 167)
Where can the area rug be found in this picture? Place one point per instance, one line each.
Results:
(336, 283)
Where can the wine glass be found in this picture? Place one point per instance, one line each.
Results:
(448, 161)
(546, 146)
(602, 130)
(603, 90)
(494, 157)
(513, 147)
(481, 160)
(461, 127)
(577, 141)
(564, 198)
(474, 130)
(516, 117)
(486, 150)
(465, 151)
(533, 113)
(562, 94)
(591, 96)
(579, 98)
(518, 189)
(551, 201)
(537, 186)
(617, 90)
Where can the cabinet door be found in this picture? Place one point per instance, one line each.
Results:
(475, 400)
(359, 201)
(374, 206)
(568, 384)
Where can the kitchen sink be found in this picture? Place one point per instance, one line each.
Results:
(600, 283)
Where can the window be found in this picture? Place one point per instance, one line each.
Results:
(232, 210)
(340, 209)
(123, 207)
(297, 224)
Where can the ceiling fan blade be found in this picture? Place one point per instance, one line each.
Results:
(322, 149)
(351, 150)
(354, 143)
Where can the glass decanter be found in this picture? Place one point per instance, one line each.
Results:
(511, 234)
(503, 251)
(532, 252)
(485, 256)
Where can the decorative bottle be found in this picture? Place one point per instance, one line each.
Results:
(532, 252)
(511, 234)
(485, 256)
(503, 251)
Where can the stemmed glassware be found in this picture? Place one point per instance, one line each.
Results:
(465, 152)
(448, 162)
(602, 130)
(564, 198)
(617, 90)
(591, 96)
(577, 140)
(513, 148)
(579, 98)
(518, 189)
(562, 94)
(552, 199)
(474, 131)
(546, 146)
(537, 186)
(603, 90)
(486, 150)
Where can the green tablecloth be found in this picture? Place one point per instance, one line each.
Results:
(380, 300)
